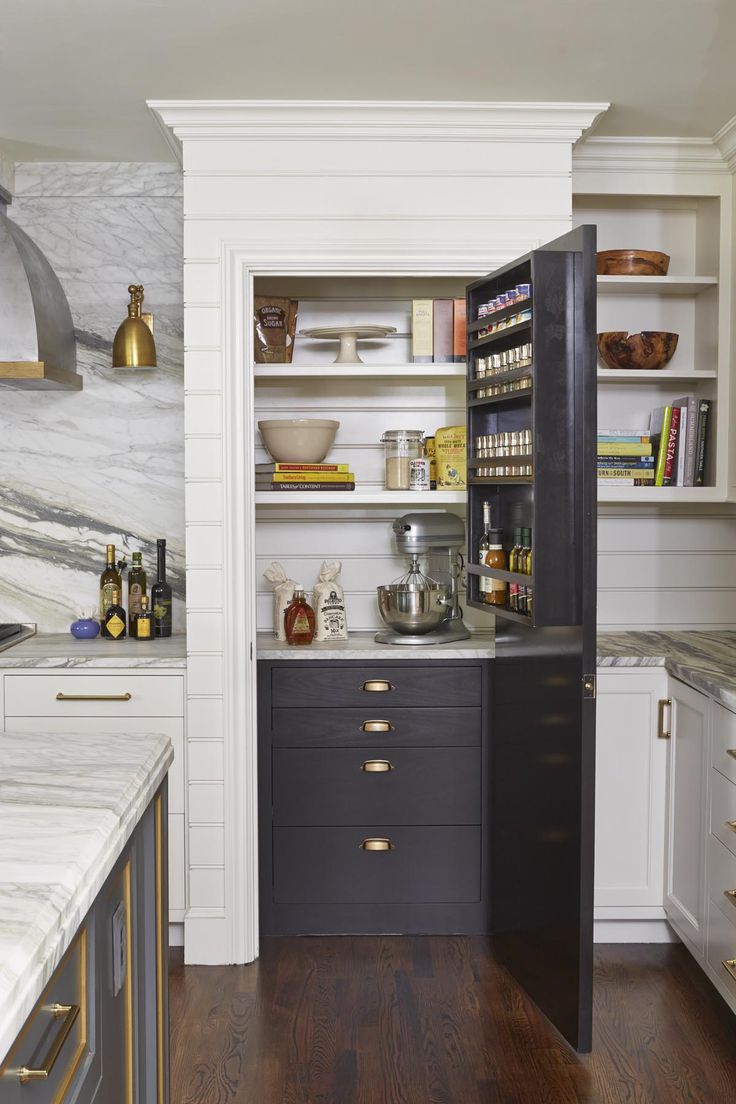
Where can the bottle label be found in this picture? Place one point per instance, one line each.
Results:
(484, 584)
(496, 584)
(114, 626)
(109, 596)
(301, 623)
(162, 610)
(135, 593)
(143, 628)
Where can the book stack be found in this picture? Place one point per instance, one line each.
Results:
(625, 458)
(438, 328)
(304, 477)
(672, 453)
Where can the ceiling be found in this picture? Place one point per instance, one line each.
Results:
(75, 74)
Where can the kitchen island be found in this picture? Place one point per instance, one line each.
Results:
(83, 1001)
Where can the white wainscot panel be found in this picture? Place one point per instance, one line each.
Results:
(203, 501)
(177, 864)
(202, 284)
(205, 631)
(203, 457)
(203, 414)
(206, 803)
(207, 845)
(647, 570)
(654, 532)
(204, 674)
(202, 327)
(204, 545)
(205, 760)
(674, 608)
(204, 591)
(206, 887)
(202, 370)
(204, 718)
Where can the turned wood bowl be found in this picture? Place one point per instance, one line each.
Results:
(632, 262)
(648, 351)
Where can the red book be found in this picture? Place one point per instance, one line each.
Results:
(669, 461)
(459, 336)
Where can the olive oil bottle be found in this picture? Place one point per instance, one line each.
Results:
(111, 585)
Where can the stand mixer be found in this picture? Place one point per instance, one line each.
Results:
(419, 608)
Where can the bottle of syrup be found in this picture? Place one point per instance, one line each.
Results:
(299, 619)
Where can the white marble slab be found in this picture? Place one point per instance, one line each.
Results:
(364, 646)
(67, 809)
(62, 650)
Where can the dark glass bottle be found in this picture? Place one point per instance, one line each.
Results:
(299, 619)
(113, 626)
(136, 585)
(111, 585)
(141, 623)
(161, 595)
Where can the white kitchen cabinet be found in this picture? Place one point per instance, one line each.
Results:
(686, 812)
(631, 772)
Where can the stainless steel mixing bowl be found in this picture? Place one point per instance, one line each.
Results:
(412, 610)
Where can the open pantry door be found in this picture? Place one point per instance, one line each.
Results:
(531, 448)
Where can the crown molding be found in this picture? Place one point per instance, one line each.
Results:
(606, 153)
(725, 139)
(370, 120)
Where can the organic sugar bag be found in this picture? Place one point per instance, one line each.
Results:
(283, 592)
(329, 604)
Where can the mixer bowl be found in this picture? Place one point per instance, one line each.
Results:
(412, 610)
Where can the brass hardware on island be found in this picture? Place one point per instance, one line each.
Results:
(68, 1014)
(376, 766)
(134, 346)
(731, 824)
(380, 686)
(731, 752)
(373, 844)
(730, 964)
(377, 726)
(662, 733)
(731, 894)
(93, 697)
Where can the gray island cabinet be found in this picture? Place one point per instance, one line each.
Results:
(83, 919)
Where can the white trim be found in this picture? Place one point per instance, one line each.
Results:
(725, 139)
(633, 931)
(606, 153)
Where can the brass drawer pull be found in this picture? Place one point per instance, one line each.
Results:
(377, 726)
(730, 964)
(731, 824)
(731, 752)
(67, 1013)
(93, 697)
(731, 894)
(376, 766)
(377, 685)
(377, 845)
(662, 732)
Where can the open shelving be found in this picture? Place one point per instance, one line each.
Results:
(360, 497)
(406, 373)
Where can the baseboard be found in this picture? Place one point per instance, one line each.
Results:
(633, 931)
(176, 935)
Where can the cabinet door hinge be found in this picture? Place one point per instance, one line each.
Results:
(589, 686)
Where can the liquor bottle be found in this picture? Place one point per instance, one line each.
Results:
(299, 619)
(484, 584)
(141, 623)
(113, 626)
(524, 556)
(496, 557)
(111, 585)
(514, 555)
(136, 586)
(161, 595)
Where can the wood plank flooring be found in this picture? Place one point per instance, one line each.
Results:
(434, 1020)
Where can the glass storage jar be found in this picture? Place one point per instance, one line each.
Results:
(402, 446)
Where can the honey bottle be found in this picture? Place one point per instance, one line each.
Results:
(299, 619)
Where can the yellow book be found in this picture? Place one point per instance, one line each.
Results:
(422, 330)
(630, 449)
(312, 477)
(627, 473)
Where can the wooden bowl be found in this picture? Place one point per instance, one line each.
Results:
(632, 262)
(648, 351)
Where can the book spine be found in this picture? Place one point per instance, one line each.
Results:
(611, 460)
(669, 460)
(691, 441)
(313, 477)
(624, 435)
(346, 486)
(459, 330)
(422, 331)
(612, 449)
(625, 473)
(443, 331)
(303, 467)
(664, 437)
(703, 411)
(681, 447)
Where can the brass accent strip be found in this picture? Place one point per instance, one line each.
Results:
(61, 696)
(731, 824)
(730, 964)
(663, 734)
(731, 752)
(731, 894)
(376, 766)
(377, 685)
(373, 844)
(129, 1059)
(377, 726)
(160, 935)
(68, 1014)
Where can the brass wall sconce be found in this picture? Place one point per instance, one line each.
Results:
(134, 346)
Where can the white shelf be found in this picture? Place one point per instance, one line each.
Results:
(360, 498)
(625, 375)
(660, 495)
(654, 285)
(406, 372)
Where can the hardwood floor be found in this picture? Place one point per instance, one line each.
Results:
(435, 1020)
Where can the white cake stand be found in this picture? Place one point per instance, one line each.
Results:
(348, 336)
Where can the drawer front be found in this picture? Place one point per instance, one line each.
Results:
(424, 865)
(379, 785)
(94, 695)
(723, 810)
(376, 686)
(384, 724)
(722, 879)
(724, 741)
(54, 1038)
(721, 950)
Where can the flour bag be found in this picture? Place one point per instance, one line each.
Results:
(329, 604)
(283, 592)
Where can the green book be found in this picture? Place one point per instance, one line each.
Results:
(660, 428)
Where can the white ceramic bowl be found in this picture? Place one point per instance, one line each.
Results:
(299, 440)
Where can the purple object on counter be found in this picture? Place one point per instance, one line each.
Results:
(86, 628)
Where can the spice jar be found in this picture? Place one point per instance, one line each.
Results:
(402, 446)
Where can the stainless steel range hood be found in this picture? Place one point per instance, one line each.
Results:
(37, 345)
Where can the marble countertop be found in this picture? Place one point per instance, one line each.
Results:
(704, 660)
(63, 650)
(67, 809)
(362, 645)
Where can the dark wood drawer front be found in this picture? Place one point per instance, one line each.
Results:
(365, 727)
(328, 865)
(379, 785)
(385, 685)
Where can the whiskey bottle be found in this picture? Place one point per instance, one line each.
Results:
(136, 586)
(299, 622)
(141, 624)
(113, 626)
(111, 585)
(161, 595)
(514, 555)
(484, 584)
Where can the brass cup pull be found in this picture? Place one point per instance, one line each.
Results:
(377, 726)
(67, 1013)
(731, 824)
(662, 732)
(731, 752)
(380, 686)
(92, 697)
(377, 845)
(376, 766)
(730, 964)
(731, 894)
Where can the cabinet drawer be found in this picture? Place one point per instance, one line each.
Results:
(722, 878)
(724, 741)
(355, 786)
(384, 724)
(54, 1038)
(723, 810)
(722, 949)
(376, 686)
(94, 696)
(424, 865)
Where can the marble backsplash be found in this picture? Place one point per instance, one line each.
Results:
(80, 470)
